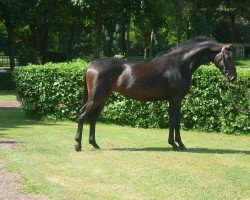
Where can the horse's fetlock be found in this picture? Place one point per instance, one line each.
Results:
(77, 139)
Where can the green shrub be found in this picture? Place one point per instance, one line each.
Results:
(56, 90)
(51, 89)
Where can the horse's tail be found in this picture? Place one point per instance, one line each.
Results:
(85, 90)
(85, 98)
(85, 93)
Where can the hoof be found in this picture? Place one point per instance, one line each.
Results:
(78, 147)
(97, 147)
(174, 145)
(182, 147)
(176, 148)
(94, 145)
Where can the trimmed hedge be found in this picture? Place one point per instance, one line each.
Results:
(51, 89)
(56, 90)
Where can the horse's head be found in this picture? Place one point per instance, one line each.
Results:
(225, 62)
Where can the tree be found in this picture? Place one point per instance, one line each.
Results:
(9, 11)
(95, 8)
(148, 19)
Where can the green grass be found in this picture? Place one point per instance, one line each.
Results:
(132, 164)
(242, 63)
(7, 95)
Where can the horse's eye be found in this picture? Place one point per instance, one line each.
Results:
(227, 55)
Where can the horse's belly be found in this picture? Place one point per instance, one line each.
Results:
(142, 96)
(142, 92)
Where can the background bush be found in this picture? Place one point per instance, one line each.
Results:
(57, 89)
(51, 90)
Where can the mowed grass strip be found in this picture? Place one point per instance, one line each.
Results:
(7, 95)
(132, 164)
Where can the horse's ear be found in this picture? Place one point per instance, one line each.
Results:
(230, 46)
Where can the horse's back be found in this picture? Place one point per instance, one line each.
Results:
(105, 65)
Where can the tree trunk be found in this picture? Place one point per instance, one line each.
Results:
(111, 30)
(193, 19)
(179, 20)
(98, 31)
(123, 36)
(127, 38)
(151, 47)
(10, 32)
(72, 36)
(233, 26)
(145, 52)
(44, 44)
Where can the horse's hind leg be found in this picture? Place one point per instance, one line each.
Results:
(78, 138)
(92, 121)
(86, 109)
(102, 97)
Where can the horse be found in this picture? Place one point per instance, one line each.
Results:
(166, 77)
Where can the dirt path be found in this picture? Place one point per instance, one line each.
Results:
(10, 186)
(9, 104)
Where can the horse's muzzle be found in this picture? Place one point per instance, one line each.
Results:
(231, 78)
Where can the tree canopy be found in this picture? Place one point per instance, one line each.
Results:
(38, 31)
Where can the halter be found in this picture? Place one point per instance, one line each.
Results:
(222, 63)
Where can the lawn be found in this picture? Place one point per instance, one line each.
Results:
(242, 63)
(132, 164)
(8, 95)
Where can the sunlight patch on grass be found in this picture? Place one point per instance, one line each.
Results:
(8, 95)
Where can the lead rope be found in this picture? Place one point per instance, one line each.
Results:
(246, 112)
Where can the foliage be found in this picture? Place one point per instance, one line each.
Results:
(108, 27)
(51, 89)
(56, 89)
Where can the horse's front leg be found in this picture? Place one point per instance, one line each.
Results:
(174, 123)
(174, 107)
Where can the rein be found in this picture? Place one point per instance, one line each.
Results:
(245, 112)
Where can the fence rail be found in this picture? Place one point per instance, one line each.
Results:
(4, 61)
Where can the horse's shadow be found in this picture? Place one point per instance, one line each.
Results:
(188, 150)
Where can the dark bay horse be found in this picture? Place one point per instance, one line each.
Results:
(167, 77)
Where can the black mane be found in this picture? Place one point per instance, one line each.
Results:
(187, 45)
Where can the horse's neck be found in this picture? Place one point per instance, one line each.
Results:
(196, 57)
